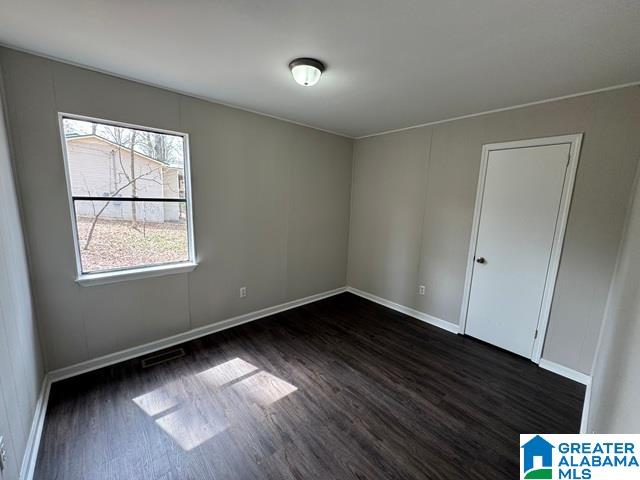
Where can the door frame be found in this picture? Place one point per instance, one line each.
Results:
(575, 142)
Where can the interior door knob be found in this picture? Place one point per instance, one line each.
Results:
(481, 260)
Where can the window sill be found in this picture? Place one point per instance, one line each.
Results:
(90, 279)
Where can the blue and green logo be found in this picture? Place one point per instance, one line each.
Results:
(540, 448)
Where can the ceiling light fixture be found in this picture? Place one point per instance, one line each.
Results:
(306, 71)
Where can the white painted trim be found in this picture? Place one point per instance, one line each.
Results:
(306, 125)
(67, 176)
(575, 142)
(565, 371)
(112, 358)
(558, 243)
(577, 377)
(505, 109)
(90, 279)
(584, 421)
(475, 225)
(450, 327)
(431, 320)
(35, 434)
(136, 272)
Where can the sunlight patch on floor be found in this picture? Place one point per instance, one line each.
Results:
(226, 372)
(264, 388)
(189, 427)
(194, 412)
(159, 400)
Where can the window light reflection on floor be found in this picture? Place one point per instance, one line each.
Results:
(189, 427)
(226, 372)
(264, 388)
(191, 410)
(159, 400)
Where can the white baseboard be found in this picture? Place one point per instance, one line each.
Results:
(450, 327)
(577, 377)
(565, 371)
(546, 364)
(584, 422)
(112, 358)
(33, 441)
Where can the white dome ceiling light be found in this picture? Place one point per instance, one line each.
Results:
(306, 71)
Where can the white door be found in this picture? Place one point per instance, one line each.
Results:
(517, 223)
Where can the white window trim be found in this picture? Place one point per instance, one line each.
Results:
(90, 279)
(139, 272)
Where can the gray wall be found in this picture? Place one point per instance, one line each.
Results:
(616, 384)
(271, 210)
(20, 356)
(388, 196)
(413, 198)
(270, 201)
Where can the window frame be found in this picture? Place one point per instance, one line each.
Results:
(141, 271)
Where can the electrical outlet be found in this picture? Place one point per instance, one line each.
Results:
(422, 290)
(3, 454)
(243, 292)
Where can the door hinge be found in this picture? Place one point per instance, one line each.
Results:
(535, 335)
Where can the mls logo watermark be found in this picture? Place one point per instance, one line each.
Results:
(579, 457)
(536, 458)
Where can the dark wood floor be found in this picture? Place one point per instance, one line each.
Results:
(339, 389)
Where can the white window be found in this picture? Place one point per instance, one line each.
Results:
(129, 193)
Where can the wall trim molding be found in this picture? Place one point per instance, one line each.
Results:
(33, 442)
(505, 109)
(577, 377)
(53, 58)
(30, 457)
(133, 352)
(574, 141)
(584, 422)
(567, 372)
(424, 317)
(28, 51)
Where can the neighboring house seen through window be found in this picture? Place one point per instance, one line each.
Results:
(129, 194)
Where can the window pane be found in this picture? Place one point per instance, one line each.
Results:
(118, 234)
(108, 166)
(107, 160)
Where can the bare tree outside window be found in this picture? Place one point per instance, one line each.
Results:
(128, 193)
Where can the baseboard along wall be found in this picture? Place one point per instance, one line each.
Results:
(33, 443)
(565, 371)
(117, 357)
(453, 328)
(431, 320)
(35, 434)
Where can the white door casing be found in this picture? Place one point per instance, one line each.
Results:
(522, 205)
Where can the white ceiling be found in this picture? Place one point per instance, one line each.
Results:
(391, 63)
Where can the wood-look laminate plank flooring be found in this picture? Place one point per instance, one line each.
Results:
(339, 389)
